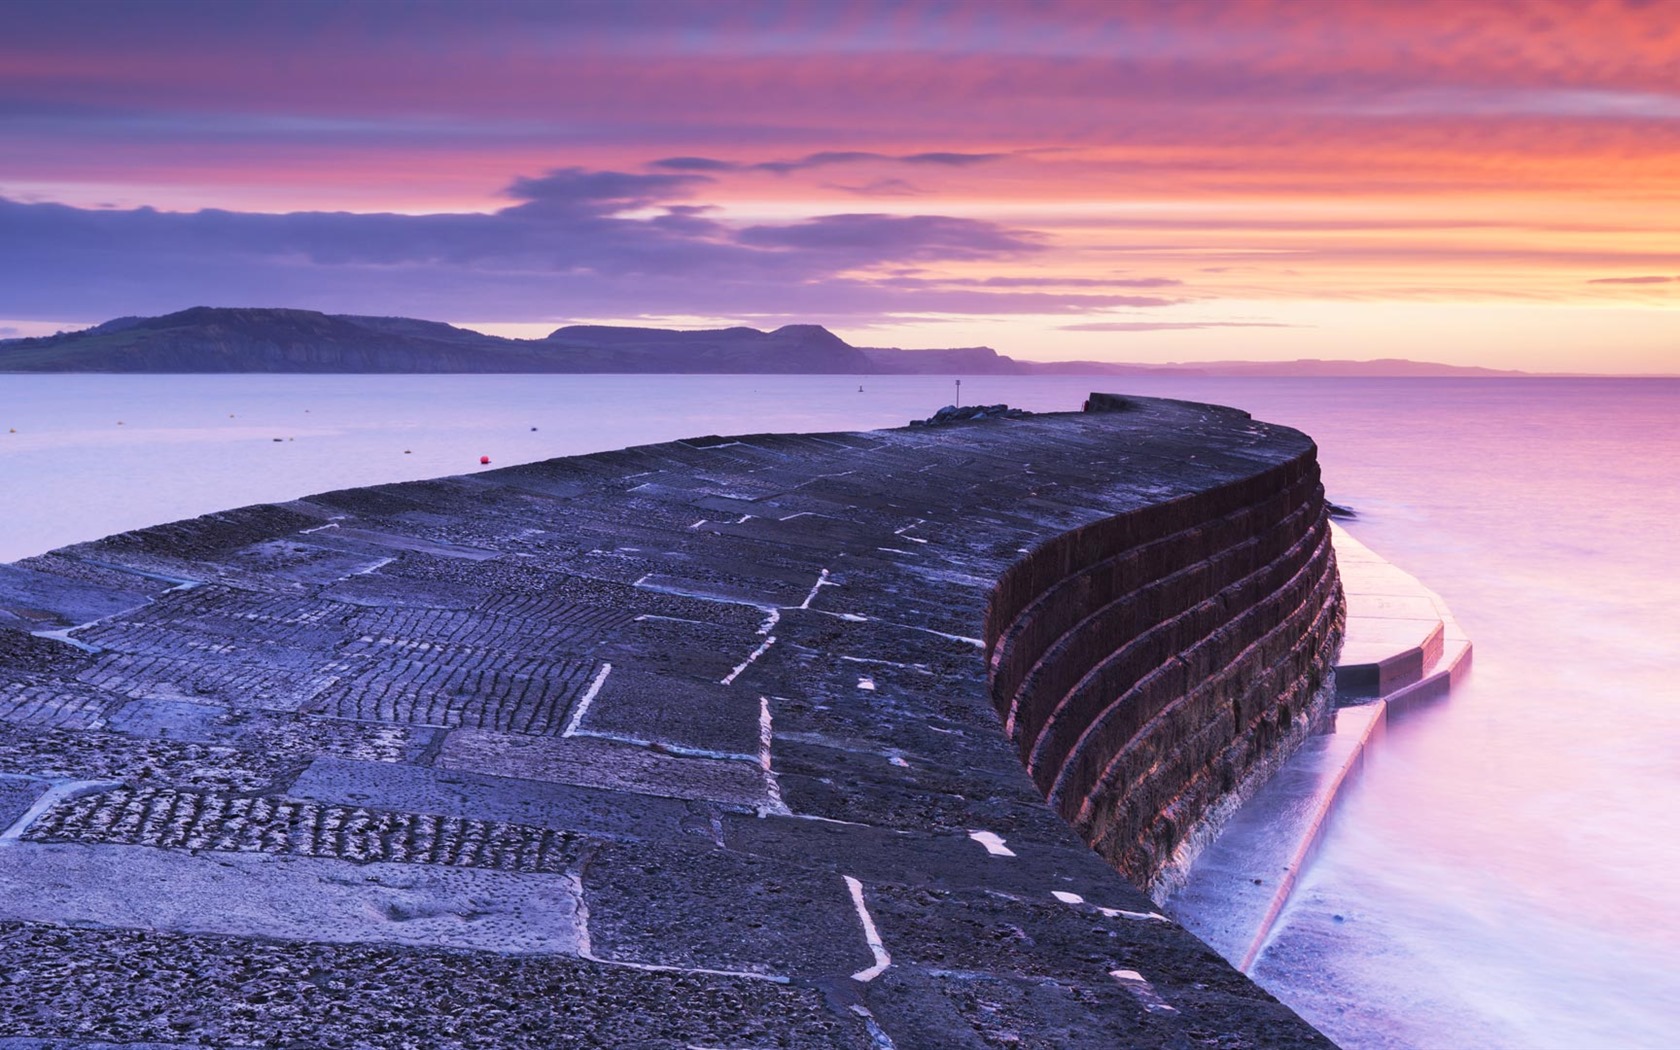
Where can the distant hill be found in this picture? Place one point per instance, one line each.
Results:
(794, 348)
(214, 339)
(252, 339)
(1385, 367)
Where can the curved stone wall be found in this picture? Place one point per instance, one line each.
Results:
(1151, 667)
(690, 744)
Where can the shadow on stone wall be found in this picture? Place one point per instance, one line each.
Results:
(1154, 667)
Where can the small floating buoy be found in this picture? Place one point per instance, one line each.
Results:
(533, 430)
(408, 452)
(860, 388)
(12, 431)
(119, 422)
(276, 439)
(485, 460)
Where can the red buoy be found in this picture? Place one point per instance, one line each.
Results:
(485, 460)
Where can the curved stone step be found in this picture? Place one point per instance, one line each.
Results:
(1402, 648)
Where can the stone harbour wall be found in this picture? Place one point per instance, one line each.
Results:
(688, 745)
(1151, 667)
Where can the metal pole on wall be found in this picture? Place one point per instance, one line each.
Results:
(959, 393)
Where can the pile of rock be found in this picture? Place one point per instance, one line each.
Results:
(953, 414)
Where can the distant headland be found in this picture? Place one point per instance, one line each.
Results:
(256, 339)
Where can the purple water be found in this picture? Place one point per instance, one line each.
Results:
(1506, 875)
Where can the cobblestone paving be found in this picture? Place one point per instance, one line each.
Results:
(170, 819)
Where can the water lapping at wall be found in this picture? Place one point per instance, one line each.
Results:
(1152, 668)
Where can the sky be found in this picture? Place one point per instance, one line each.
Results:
(1473, 181)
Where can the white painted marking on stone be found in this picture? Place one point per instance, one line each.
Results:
(855, 618)
(898, 760)
(766, 732)
(923, 668)
(771, 619)
(588, 698)
(57, 791)
(993, 843)
(977, 643)
(685, 592)
(1112, 913)
(772, 786)
(375, 567)
(870, 934)
(663, 747)
(696, 525)
(824, 820)
(744, 664)
(657, 968)
(903, 533)
(822, 581)
(1145, 992)
(866, 682)
(878, 1038)
(62, 634)
(319, 528)
(796, 514)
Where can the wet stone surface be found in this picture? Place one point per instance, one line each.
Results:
(672, 747)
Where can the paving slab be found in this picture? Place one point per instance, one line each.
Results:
(288, 898)
(592, 762)
(698, 907)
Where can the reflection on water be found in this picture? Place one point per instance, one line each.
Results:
(1506, 873)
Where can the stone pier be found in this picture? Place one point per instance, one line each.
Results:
(730, 742)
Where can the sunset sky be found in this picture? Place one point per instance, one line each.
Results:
(1493, 183)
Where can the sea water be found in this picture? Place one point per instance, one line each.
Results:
(1505, 874)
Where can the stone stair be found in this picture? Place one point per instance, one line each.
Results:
(1402, 650)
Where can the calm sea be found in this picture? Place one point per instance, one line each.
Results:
(1506, 875)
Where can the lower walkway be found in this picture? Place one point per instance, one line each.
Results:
(1402, 649)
